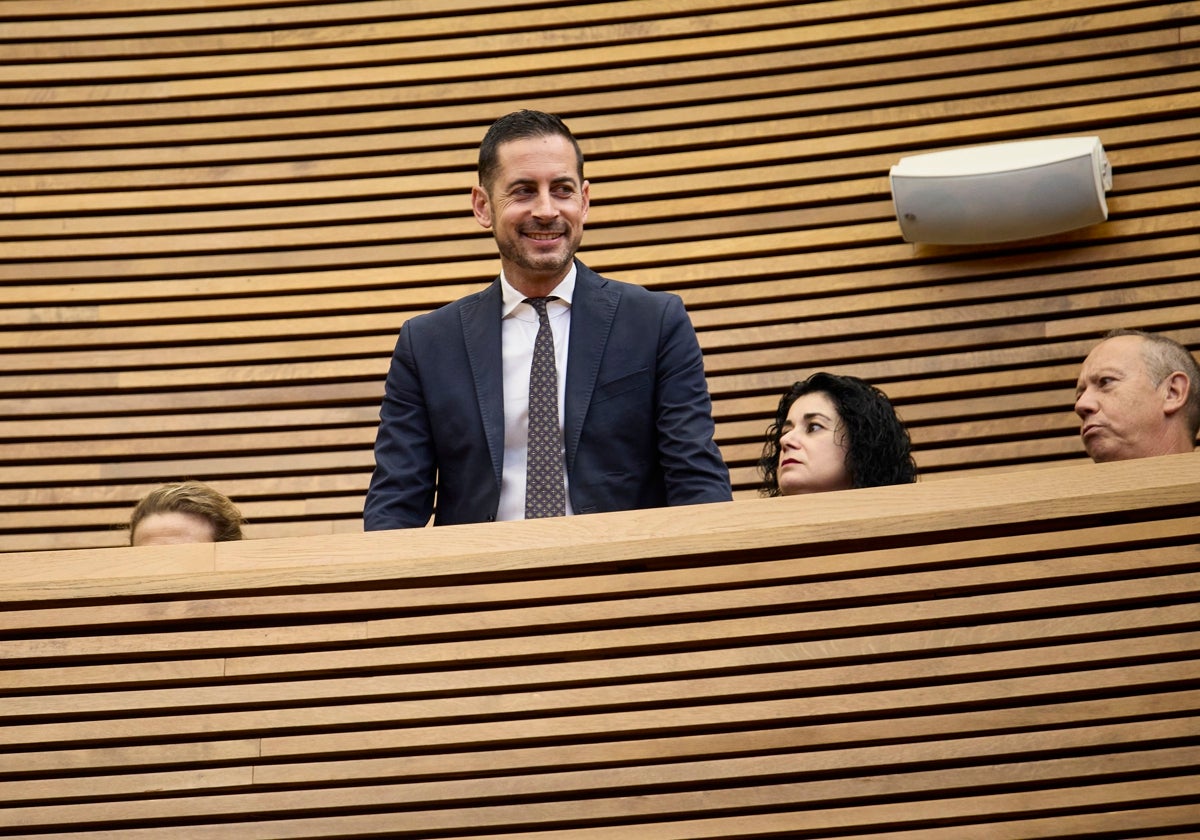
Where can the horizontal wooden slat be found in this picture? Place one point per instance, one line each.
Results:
(429, 652)
(1010, 547)
(1142, 733)
(1129, 486)
(205, 703)
(866, 817)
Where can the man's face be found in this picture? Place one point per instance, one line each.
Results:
(536, 207)
(1120, 407)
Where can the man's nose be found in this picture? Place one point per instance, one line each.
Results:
(1085, 403)
(544, 207)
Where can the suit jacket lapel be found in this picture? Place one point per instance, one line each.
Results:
(480, 316)
(592, 311)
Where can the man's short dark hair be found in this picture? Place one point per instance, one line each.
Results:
(520, 125)
(1163, 356)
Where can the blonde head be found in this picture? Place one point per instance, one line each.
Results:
(193, 498)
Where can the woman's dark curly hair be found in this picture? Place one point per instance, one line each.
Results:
(878, 449)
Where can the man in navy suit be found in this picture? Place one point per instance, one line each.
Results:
(635, 419)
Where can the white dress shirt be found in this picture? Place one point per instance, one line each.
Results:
(518, 331)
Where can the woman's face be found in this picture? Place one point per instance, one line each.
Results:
(812, 448)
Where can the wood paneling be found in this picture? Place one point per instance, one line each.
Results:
(1009, 655)
(215, 218)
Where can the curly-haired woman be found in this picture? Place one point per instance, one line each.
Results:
(834, 433)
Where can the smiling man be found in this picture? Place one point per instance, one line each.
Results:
(1138, 396)
(553, 391)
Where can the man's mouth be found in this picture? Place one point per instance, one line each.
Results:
(544, 236)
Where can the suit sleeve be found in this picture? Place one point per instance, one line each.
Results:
(402, 485)
(692, 465)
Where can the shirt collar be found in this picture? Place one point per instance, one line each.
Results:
(511, 298)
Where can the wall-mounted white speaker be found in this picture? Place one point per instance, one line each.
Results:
(1002, 192)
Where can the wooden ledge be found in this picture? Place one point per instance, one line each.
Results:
(665, 535)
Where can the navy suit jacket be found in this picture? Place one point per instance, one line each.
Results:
(638, 424)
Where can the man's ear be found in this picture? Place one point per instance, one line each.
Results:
(481, 206)
(1175, 396)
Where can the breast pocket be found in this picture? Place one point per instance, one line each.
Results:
(621, 385)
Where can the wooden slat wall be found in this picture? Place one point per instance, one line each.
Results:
(1001, 657)
(214, 218)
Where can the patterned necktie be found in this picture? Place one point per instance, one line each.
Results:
(545, 494)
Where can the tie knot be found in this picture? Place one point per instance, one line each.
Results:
(539, 304)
